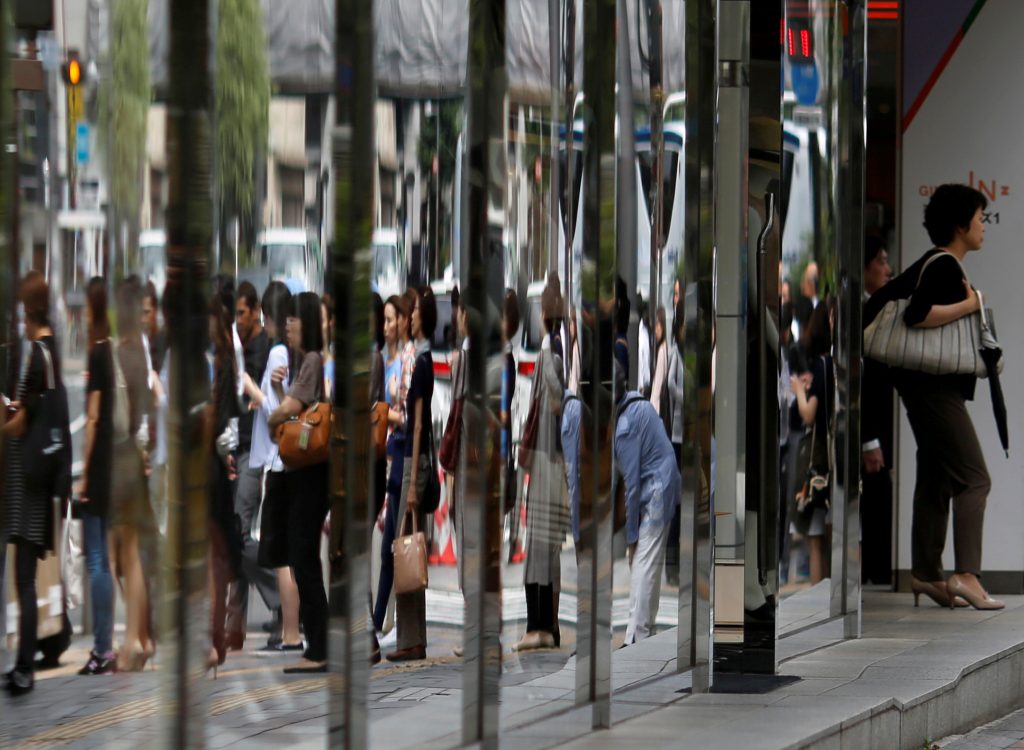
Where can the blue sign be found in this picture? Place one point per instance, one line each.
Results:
(82, 142)
(806, 82)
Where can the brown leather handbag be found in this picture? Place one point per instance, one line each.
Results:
(379, 421)
(410, 551)
(305, 440)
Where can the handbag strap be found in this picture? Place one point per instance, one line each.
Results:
(981, 310)
(935, 257)
(415, 523)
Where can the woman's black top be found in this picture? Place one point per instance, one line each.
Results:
(421, 387)
(941, 284)
(97, 473)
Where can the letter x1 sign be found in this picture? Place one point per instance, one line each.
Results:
(82, 142)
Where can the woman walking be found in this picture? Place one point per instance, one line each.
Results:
(412, 608)
(28, 511)
(306, 487)
(950, 463)
(94, 486)
(131, 515)
(547, 510)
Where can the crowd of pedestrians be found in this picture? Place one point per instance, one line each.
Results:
(269, 360)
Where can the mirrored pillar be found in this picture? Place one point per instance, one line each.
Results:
(851, 136)
(698, 292)
(350, 485)
(479, 447)
(184, 603)
(597, 291)
(748, 230)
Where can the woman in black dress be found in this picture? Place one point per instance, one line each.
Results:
(306, 487)
(28, 510)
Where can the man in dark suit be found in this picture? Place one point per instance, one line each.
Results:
(876, 435)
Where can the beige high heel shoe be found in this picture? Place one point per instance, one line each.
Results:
(977, 597)
(936, 591)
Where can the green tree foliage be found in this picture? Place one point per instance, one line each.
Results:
(124, 109)
(242, 101)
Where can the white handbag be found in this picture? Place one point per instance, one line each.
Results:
(951, 349)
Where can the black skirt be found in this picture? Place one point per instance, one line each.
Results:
(273, 550)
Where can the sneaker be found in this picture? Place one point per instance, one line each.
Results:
(276, 649)
(389, 640)
(99, 664)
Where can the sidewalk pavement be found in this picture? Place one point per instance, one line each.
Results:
(918, 674)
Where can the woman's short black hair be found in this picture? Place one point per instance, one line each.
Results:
(951, 207)
(428, 311)
(306, 307)
(275, 305)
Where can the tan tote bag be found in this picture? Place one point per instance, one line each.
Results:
(410, 552)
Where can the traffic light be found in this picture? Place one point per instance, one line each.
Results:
(73, 69)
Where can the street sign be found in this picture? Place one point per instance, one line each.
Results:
(82, 142)
(806, 82)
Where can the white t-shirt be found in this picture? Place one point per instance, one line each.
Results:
(263, 450)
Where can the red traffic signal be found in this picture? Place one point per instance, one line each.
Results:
(73, 69)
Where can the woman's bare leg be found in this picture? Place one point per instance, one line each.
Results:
(126, 547)
(289, 606)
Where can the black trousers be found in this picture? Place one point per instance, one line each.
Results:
(950, 467)
(307, 508)
(26, 559)
(876, 527)
(540, 614)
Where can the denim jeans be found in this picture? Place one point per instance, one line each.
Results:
(101, 584)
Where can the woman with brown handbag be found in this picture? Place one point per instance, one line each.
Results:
(412, 607)
(306, 487)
